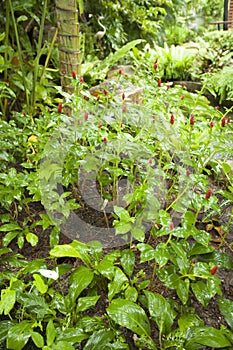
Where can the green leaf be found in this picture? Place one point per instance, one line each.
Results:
(10, 227)
(9, 237)
(37, 339)
(60, 251)
(147, 252)
(4, 327)
(201, 292)
(32, 239)
(79, 279)
(81, 6)
(161, 311)
(189, 320)
(50, 333)
(182, 290)
(19, 335)
(61, 345)
(131, 293)
(8, 299)
(128, 261)
(39, 283)
(208, 336)
(226, 308)
(86, 303)
(130, 315)
(115, 286)
(99, 339)
(220, 259)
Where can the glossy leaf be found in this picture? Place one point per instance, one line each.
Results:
(226, 308)
(19, 335)
(79, 280)
(86, 303)
(38, 340)
(130, 315)
(115, 286)
(207, 336)
(8, 299)
(161, 311)
(99, 339)
(128, 261)
(50, 333)
(39, 283)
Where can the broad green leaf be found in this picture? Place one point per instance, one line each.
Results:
(130, 315)
(189, 320)
(147, 252)
(182, 290)
(131, 293)
(10, 227)
(201, 292)
(161, 311)
(63, 345)
(64, 250)
(221, 259)
(79, 280)
(116, 285)
(86, 303)
(106, 266)
(32, 239)
(37, 339)
(8, 299)
(50, 333)
(4, 327)
(208, 336)
(73, 335)
(19, 335)
(9, 237)
(39, 283)
(226, 308)
(99, 339)
(128, 261)
(161, 254)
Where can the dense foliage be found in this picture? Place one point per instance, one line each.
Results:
(136, 173)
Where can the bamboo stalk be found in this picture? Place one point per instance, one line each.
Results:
(68, 40)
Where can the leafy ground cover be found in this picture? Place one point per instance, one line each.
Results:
(116, 221)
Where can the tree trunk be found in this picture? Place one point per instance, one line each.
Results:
(68, 12)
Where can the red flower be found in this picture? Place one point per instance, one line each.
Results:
(183, 84)
(192, 121)
(123, 96)
(208, 193)
(85, 115)
(182, 97)
(59, 107)
(171, 226)
(105, 140)
(223, 121)
(105, 92)
(188, 172)
(124, 108)
(229, 119)
(214, 270)
(120, 71)
(211, 123)
(159, 82)
(150, 161)
(100, 125)
(81, 80)
(74, 74)
(172, 119)
(155, 65)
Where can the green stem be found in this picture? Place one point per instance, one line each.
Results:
(19, 52)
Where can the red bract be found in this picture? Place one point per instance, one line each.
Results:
(183, 84)
(85, 115)
(217, 108)
(105, 92)
(120, 71)
(105, 140)
(229, 119)
(59, 107)
(211, 123)
(123, 96)
(172, 119)
(155, 66)
(81, 80)
(214, 270)
(159, 82)
(150, 161)
(171, 226)
(124, 108)
(74, 74)
(192, 121)
(208, 193)
(188, 172)
(182, 97)
(223, 121)
(100, 125)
